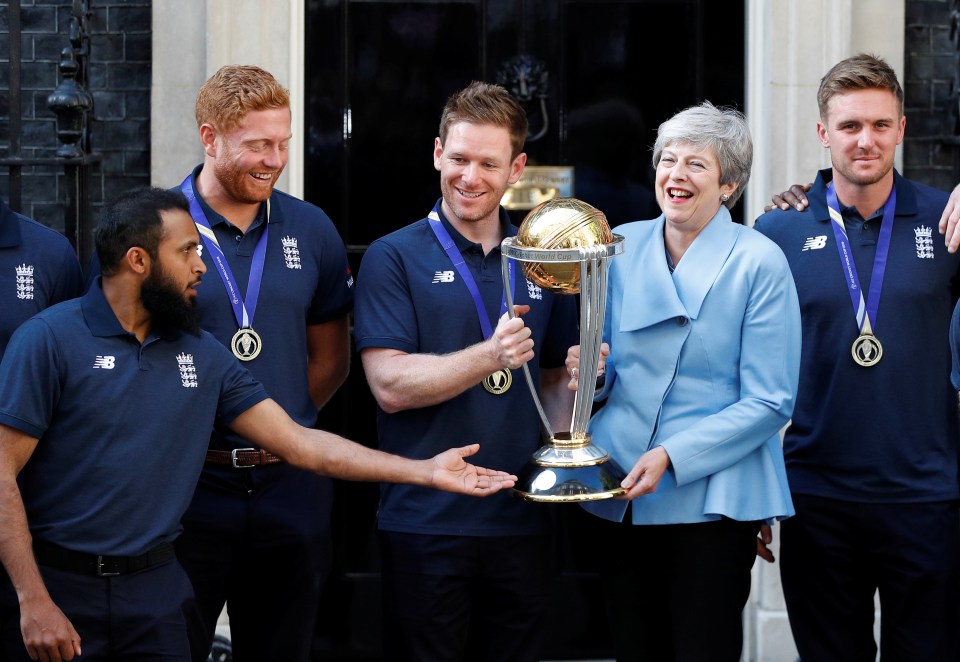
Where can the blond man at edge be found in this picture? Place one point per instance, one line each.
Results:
(871, 451)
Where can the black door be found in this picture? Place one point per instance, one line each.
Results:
(600, 77)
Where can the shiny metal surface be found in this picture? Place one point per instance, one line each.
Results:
(561, 223)
(570, 484)
(565, 245)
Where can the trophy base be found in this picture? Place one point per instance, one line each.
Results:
(567, 470)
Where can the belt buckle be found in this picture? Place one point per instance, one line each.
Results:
(236, 463)
(100, 572)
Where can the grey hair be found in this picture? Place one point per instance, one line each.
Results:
(723, 130)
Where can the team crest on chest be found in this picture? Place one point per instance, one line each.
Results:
(291, 252)
(924, 237)
(188, 371)
(534, 291)
(25, 284)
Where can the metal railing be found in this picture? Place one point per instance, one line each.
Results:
(73, 105)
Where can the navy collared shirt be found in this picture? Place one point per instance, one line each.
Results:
(38, 268)
(306, 281)
(410, 297)
(123, 427)
(887, 433)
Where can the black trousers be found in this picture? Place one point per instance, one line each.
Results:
(835, 555)
(135, 617)
(259, 540)
(470, 598)
(676, 591)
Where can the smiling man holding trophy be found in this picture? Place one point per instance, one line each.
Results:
(462, 580)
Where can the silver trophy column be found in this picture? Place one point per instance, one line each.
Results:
(570, 467)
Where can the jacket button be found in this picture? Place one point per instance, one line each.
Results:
(682, 321)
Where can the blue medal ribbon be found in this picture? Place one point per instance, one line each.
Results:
(243, 309)
(450, 248)
(864, 312)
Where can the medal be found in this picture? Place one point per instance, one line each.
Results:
(246, 344)
(499, 382)
(867, 350)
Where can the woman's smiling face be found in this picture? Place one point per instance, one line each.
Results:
(688, 185)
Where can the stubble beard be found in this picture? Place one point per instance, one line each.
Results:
(234, 181)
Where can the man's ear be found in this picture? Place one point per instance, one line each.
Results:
(208, 138)
(516, 168)
(437, 153)
(822, 134)
(138, 260)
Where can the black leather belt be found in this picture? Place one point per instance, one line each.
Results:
(60, 558)
(242, 458)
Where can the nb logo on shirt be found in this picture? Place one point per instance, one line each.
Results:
(814, 243)
(105, 362)
(443, 277)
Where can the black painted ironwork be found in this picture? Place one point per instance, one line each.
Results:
(73, 106)
(953, 140)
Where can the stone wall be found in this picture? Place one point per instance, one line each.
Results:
(119, 73)
(930, 86)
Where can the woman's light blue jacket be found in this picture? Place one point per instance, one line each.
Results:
(704, 363)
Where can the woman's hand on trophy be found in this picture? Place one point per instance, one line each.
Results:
(573, 365)
(511, 342)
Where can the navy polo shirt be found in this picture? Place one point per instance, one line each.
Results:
(122, 427)
(38, 268)
(306, 281)
(410, 297)
(887, 433)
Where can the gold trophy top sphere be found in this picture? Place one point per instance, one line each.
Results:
(561, 223)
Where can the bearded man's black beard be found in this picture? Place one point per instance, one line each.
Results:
(167, 306)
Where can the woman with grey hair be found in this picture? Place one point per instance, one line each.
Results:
(703, 339)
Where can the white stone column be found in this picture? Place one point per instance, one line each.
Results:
(194, 38)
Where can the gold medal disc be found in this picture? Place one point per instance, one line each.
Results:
(499, 382)
(866, 350)
(246, 344)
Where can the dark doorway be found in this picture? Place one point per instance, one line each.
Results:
(377, 76)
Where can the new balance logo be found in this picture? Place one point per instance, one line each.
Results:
(443, 277)
(105, 362)
(815, 243)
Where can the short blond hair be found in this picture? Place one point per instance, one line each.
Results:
(486, 103)
(234, 91)
(860, 72)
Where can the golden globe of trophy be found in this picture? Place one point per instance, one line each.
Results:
(565, 246)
